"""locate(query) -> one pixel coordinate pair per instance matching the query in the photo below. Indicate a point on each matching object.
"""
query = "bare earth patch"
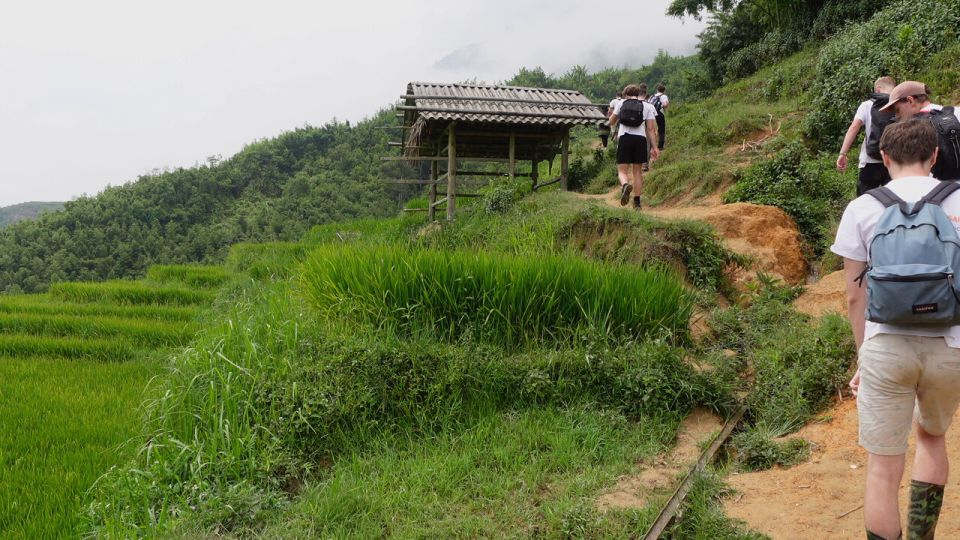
(662, 473)
(806, 501)
(829, 295)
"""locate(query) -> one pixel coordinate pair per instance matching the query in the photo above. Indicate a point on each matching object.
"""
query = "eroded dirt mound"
(810, 499)
(663, 473)
(829, 295)
(766, 234)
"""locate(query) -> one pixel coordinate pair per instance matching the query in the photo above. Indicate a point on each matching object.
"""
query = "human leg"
(870, 176)
(930, 470)
(890, 370)
(881, 514)
(662, 130)
(637, 184)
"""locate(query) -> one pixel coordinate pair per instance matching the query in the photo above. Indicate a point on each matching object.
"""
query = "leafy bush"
(807, 188)
(898, 41)
(502, 299)
(500, 198)
(772, 47)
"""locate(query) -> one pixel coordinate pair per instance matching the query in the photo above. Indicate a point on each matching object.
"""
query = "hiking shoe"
(646, 167)
(625, 191)
(636, 203)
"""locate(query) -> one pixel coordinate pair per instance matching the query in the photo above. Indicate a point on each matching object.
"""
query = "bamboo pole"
(434, 169)
(452, 172)
(565, 161)
(535, 171)
(513, 157)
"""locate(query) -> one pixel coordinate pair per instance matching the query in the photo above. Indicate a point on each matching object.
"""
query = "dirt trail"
(808, 500)
(661, 474)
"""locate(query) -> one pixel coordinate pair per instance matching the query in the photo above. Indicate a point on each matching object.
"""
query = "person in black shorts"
(636, 122)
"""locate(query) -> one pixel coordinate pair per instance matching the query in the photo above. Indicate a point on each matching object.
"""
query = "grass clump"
(129, 293)
(138, 332)
(191, 275)
(107, 350)
(757, 449)
(44, 305)
(504, 299)
(268, 261)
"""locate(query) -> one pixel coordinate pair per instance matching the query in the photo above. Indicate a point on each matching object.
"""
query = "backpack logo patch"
(920, 309)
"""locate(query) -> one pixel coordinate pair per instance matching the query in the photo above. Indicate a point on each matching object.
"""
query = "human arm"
(848, 141)
(856, 306)
(652, 135)
(664, 101)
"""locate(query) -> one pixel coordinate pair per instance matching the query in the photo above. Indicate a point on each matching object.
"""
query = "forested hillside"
(28, 210)
(272, 190)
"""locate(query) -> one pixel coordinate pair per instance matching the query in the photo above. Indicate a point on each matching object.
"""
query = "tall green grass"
(129, 292)
(112, 350)
(138, 332)
(497, 298)
(45, 305)
(191, 275)
(63, 423)
(274, 260)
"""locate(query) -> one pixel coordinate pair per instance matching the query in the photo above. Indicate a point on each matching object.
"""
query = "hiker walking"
(660, 102)
(869, 117)
(604, 126)
(906, 324)
(637, 124)
(911, 99)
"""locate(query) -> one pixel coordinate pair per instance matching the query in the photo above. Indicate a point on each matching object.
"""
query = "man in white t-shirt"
(911, 99)
(872, 172)
(900, 369)
(632, 145)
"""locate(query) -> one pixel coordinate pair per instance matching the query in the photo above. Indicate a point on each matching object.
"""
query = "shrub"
(772, 47)
(757, 449)
(500, 198)
(498, 298)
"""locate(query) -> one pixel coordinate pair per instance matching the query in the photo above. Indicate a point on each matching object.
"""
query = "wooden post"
(434, 172)
(535, 172)
(565, 160)
(452, 173)
(513, 157)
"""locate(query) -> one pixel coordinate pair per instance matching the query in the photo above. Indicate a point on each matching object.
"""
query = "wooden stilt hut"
(454, 127)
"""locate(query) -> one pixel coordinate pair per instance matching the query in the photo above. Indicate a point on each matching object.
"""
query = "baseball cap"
(903, 90)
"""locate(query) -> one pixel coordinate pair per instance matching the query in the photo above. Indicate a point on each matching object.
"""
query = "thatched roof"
(506, 105)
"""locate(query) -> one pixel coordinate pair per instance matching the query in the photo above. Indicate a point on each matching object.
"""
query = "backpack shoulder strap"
(938, 194)
(886, 197)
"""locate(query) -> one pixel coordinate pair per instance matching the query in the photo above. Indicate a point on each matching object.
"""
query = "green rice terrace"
(75, 364)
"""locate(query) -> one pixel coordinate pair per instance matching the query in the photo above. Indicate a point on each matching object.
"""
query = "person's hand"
(654, 153)
(855, 382)
(842, 162)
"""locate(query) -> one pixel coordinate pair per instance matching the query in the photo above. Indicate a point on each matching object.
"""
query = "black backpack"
(879, 120)
(657, 104)
(631, 113)
(947, 166)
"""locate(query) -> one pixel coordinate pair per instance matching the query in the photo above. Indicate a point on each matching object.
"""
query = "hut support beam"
(565, 160)
(535, 171)
(451, 172)
(513, 157)
(434, 169)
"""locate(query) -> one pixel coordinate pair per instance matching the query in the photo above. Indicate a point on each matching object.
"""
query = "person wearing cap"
(872, 173)
(911, 99)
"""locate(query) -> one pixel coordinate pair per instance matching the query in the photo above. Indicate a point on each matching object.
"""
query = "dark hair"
(620, 94)
(910, 141)
(631, 90)
(661, 88)
(643, 88)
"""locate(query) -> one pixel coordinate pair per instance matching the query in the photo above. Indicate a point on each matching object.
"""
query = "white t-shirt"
(649, 113)
(614, 103)
(664, 100)
(865, 114)
(856, 231)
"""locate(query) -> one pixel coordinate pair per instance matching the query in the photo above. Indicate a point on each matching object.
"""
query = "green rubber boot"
(925, 502)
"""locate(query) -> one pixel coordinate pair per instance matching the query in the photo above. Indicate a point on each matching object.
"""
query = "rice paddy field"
(74, 367)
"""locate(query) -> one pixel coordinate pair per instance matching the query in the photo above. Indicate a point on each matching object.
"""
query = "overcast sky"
(97, 92)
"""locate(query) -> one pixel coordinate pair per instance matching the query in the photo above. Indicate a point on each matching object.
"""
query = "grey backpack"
(914, 254)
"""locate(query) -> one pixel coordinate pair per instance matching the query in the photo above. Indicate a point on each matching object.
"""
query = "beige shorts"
(900, 376)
